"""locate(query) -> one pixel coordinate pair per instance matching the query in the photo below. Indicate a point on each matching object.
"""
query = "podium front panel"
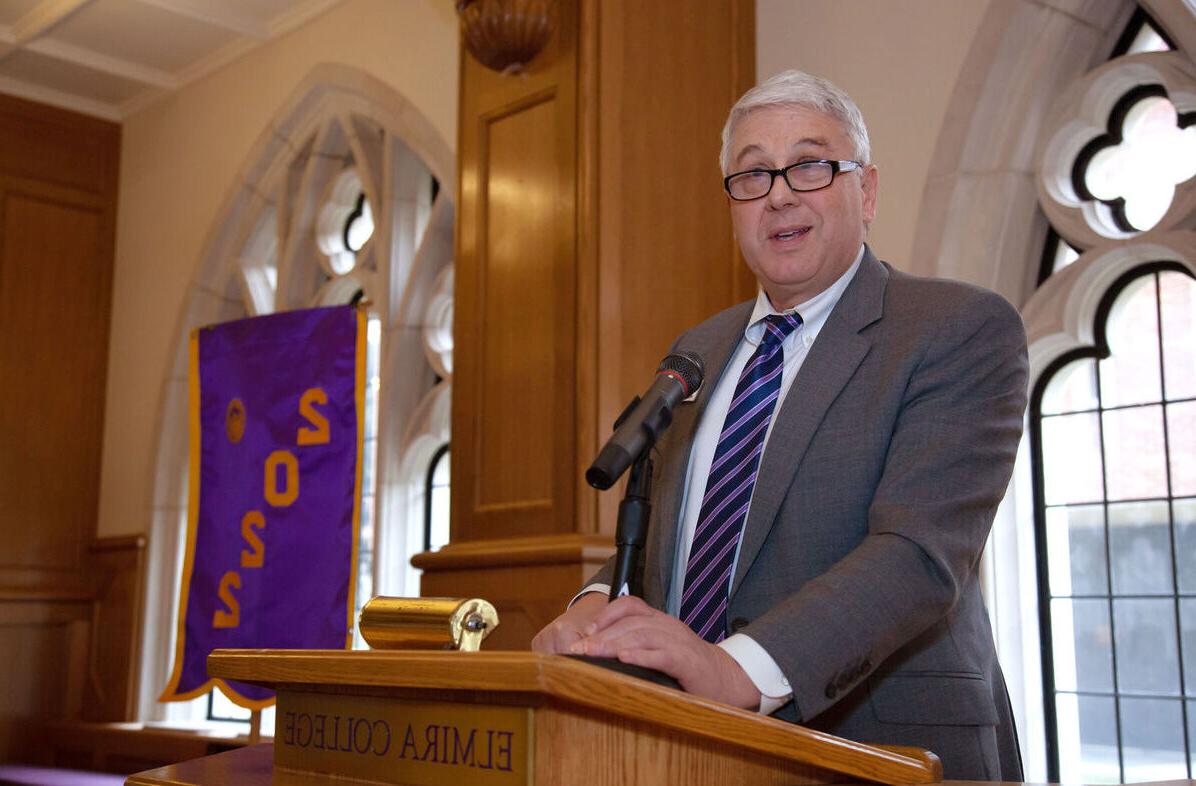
(403, 741)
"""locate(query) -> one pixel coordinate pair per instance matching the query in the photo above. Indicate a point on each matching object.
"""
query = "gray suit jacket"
(858, 565)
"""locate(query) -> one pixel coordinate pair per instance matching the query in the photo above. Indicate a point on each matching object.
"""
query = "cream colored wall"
(179, 159)
(900, 62)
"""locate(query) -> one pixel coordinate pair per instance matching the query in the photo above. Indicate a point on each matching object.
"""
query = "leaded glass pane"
(1147, 649)
(1087, 736)
(365, 551)
(1064, 255)
(1071, 389)
(371, 394)
(1140, 548)
(1135, 458)
(1130, 375)
(1152, 739)
(1177, 292)
(369, 462)
(438, 534)
(1076, 550)
(1072, 458)
(223, 708)
(1191, 736)
(1181, 446)
(1082, 640)
(1187, 624)
(1147, 40)
(369, 458)
(1184, 513)
(1154, 155)
(359, 226)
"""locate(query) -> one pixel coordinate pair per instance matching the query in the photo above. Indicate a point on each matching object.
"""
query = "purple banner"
(276, 437)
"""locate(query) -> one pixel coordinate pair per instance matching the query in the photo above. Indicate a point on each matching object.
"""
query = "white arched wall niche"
(980, 221)
(263, 254)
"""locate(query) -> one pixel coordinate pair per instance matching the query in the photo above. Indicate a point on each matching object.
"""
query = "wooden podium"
(418, 717)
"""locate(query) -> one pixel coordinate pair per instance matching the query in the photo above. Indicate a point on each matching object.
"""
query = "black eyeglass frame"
(783, 172)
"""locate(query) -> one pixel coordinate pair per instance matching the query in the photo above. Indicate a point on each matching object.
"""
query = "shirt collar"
(814, 312)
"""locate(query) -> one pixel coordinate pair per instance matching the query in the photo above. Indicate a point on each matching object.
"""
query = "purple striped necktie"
(730, 482)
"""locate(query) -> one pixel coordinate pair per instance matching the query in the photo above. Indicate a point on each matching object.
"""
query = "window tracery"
(340, 202)
(1112, 343)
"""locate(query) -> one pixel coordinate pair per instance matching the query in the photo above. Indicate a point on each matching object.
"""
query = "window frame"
(1100, 350)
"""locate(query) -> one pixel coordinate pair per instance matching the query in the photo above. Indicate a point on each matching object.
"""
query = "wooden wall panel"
(122, 748)
(58, 178)
(514, 348)
(57, 147)
(58, 175)
(43, 649)
(53, 301)
(70, 654)
(110, 687)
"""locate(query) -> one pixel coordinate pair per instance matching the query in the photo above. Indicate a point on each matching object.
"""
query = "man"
(823, 502)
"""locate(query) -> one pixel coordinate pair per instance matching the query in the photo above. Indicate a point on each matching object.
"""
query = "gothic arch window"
(340, 202)
(1112, 434)
(1000, 210)
(1113, 413)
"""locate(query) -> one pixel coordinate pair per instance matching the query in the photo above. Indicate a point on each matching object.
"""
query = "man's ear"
(869, 182)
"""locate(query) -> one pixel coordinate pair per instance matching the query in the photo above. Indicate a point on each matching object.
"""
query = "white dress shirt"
(752, 658)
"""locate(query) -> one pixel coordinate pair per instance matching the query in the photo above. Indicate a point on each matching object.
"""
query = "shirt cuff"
(761, 669)
(603, 588)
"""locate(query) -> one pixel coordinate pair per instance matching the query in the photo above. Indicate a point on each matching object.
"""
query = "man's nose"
(781, 195)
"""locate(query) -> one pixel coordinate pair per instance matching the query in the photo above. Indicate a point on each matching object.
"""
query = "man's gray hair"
(797, 88)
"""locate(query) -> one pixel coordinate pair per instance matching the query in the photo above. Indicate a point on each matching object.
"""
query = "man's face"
(799, 243)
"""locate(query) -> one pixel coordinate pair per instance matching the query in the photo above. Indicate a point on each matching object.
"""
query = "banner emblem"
(234, 421)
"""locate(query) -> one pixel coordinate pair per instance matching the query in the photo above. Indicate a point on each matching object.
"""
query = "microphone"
(645, 419)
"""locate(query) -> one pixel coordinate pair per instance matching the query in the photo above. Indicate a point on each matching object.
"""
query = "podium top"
(556, 679)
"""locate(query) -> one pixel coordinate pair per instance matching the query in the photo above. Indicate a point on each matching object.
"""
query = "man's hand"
(634, 632)
(559, 635)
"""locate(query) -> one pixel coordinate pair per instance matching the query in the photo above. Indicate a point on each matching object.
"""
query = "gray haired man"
(821, 507)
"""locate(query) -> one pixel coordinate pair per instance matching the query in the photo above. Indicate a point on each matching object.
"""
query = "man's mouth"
(790, 234)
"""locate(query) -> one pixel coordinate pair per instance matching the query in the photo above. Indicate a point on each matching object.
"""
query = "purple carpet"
(22, 775)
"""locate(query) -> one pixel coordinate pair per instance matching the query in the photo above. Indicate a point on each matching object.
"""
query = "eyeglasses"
(802, 176)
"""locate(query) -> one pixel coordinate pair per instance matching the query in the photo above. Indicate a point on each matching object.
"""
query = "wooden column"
(591, 231)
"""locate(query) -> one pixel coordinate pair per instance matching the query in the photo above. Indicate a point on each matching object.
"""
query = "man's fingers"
(622, 608)
(630, 632)
(555, 639)
(559, 635)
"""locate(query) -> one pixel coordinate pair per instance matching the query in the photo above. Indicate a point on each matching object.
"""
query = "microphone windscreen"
(687, 366)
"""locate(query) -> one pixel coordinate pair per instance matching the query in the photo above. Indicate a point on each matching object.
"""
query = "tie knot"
(778, 326)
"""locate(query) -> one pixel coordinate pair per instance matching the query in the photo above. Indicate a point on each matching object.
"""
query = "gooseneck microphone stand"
(632, 528)
(636, 431)
(630, 533)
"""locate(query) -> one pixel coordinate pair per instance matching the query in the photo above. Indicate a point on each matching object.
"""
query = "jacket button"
(831, 691)
(738, 624)
(865, 666)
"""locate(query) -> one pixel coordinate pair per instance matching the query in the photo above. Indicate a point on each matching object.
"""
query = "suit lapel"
(832, 361)
(714, 341)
